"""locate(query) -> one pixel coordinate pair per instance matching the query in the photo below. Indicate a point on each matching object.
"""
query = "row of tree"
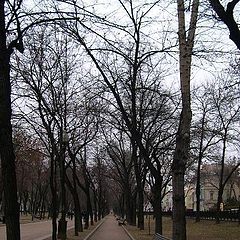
(89, 74)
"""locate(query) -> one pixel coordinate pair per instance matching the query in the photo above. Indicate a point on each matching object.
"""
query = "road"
(34, 231)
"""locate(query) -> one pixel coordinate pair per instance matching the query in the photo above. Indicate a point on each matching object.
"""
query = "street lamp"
(62, 224)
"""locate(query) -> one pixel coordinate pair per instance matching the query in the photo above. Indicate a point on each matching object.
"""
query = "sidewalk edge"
(131, 237)
(94, 230)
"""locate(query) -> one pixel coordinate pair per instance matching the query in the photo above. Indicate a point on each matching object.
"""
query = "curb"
(131, 237)
(94, 230)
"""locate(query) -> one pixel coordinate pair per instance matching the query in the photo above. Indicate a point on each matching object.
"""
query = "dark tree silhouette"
(226, 15)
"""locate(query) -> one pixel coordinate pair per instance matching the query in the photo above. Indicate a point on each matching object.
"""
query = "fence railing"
(229, 215)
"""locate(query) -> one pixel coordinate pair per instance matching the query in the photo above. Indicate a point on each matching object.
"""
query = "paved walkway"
(34, 231)
(109, 230)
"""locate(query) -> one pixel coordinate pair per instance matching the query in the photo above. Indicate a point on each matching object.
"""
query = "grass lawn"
(204, 230)
(26, 219)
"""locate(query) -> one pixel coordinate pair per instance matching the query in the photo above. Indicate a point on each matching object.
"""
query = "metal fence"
(230, 215)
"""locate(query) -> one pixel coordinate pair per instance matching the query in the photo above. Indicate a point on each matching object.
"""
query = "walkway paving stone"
(109, 230)
(34, 231)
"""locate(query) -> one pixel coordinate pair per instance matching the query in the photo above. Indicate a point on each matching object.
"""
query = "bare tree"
(53, 106)
(227, 16)
(122, 165)
(32, 174)
(205, 132)
(181, 155)
(127, 82)
(6, 142)
(224, 99)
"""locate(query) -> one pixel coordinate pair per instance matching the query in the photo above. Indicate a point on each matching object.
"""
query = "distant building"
(209, 190)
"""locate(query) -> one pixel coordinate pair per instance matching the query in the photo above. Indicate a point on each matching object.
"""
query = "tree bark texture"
(157, 205)
(6, 143)
(181, 154)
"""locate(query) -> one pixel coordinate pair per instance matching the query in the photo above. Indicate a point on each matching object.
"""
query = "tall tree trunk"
(139, 180)
(78, 227)
(6, 143)
(122, 206)
(53, 185)
(77, 216)
(128, 204)
(140, 209)
(221, 185)
(95, 206)
(78, 210)
(198, 184)
(157, 204)
(133, 209)
(100, 204)
(181, 154)
(89, 209)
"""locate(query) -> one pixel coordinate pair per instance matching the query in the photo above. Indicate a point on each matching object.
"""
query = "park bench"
(37, 216)
(121, 221)
(158, 236)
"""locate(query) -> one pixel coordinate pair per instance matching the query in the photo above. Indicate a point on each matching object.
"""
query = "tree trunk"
(198, 191)
(128, 205)
(139, 181)
(78, 227)
(181, 154)
(140, 209)
(219, 201)
(122, 205)
(54, 198)
(6, 143)
(77, 211)
(178, 170)
(198, 184)
(95, 206)
(157, 204)
(89, 209)
(221, 185)
(78, 215)
(133, 210)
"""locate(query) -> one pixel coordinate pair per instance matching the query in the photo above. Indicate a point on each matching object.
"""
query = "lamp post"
(62, 224)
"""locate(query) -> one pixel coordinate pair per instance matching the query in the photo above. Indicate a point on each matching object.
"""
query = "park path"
(109, 230)
(34, 231)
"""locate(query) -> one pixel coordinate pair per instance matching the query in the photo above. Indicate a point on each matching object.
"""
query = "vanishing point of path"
(109, 230)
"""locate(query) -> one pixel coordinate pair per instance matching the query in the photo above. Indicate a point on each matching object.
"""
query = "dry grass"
(28, 219)
(204, 230)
